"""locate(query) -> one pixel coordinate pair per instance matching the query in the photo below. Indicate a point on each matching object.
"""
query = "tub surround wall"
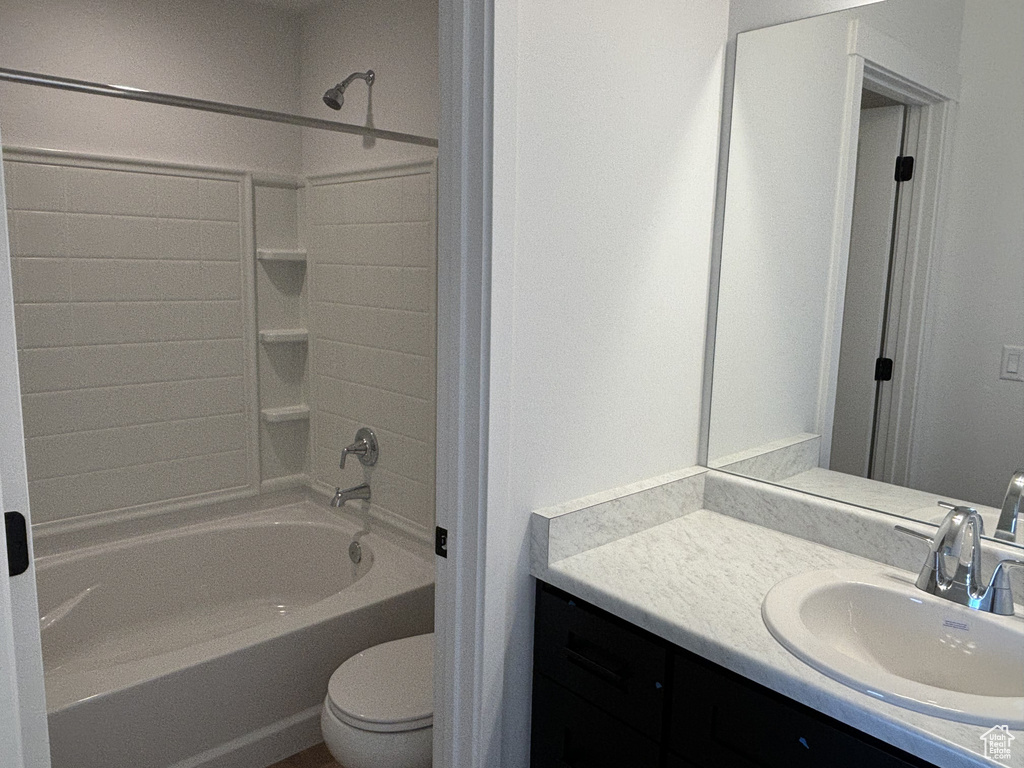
(739, 531)
(130, 313)
(372, 267)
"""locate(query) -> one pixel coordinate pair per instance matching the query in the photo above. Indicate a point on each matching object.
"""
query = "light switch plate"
(1012, 368)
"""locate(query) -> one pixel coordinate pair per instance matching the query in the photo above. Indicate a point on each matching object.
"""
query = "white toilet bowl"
(379, 710)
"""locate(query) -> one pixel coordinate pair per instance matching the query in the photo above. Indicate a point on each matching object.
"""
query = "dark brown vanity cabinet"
(607, 694)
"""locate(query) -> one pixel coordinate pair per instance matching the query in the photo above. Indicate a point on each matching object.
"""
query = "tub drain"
(355, 552)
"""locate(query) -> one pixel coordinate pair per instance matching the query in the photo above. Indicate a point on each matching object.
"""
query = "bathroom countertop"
(698, 581)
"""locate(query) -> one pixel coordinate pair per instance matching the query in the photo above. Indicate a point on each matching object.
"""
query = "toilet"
(379, 710)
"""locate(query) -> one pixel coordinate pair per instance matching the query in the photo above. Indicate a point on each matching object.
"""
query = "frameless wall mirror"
(871, 307)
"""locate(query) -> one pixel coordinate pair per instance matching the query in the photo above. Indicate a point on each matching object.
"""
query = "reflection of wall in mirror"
(772, 332)
(970, 424)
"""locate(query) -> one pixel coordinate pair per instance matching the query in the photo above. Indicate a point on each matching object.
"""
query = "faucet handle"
(1001, 596)
(916, 534)
(365, 447)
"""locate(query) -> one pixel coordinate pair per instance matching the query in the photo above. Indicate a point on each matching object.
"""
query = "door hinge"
(17, 543)
(883, 369)
(441, 541)
(904, 168)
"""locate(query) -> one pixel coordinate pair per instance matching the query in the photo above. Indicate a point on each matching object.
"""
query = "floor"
(314, 757)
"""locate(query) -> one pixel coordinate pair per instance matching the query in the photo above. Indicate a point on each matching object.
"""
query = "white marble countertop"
(698, 581)
(893, 499)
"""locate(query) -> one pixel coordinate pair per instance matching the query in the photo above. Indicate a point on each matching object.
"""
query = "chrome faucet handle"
(365, 447)
(1006, 528)
(1001, 596)
(916, 534)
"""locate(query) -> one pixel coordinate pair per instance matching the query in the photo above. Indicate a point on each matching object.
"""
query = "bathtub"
(212, 644)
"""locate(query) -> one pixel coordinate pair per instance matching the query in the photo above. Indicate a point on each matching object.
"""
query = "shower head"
(335, 97)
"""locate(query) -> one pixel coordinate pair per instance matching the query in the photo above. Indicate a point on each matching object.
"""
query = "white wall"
(398, 40)
(969, 435)
(789, 119)
(605, 148)
(228, 51)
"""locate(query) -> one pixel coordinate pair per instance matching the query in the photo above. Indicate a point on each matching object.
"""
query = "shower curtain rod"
(154, 97)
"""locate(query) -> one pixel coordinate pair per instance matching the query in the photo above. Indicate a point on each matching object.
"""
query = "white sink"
(876, 632)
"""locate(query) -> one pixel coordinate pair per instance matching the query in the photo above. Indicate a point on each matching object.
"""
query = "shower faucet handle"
(365, 447)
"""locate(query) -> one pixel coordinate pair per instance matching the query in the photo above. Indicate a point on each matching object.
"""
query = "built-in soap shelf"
(289, 255)
(285, 336)
(285, 413)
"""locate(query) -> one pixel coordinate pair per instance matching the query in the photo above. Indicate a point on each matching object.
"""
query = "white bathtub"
(212, 644)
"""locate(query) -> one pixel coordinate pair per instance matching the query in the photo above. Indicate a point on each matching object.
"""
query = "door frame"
(885, 66)
(22, 694)
(463, 361)
(917, 240)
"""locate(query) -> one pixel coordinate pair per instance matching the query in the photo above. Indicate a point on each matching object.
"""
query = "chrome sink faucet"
(948, 552)
(1006, 528)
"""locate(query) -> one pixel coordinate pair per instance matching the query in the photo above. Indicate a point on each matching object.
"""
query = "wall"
(605, 147)
(789, 101)
(398, 40)
(228, 51)
(968, 438)
(129, 312)
(372, 286)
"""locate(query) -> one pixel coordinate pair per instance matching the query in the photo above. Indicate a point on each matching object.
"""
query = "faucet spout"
(355, 493)
(947, 572)
(1006, 528)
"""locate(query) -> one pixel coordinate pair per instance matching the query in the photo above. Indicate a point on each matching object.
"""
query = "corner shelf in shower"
(292, 256)
(285, 336)
(285, 413)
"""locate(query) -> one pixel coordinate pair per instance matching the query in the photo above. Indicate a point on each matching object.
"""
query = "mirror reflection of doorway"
(871, 307)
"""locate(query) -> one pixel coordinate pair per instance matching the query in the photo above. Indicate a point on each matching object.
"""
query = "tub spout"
(355, 493)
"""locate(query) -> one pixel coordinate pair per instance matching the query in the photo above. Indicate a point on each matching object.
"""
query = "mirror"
(833, 272)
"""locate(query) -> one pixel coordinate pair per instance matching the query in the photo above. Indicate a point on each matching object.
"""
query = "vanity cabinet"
(607, 694)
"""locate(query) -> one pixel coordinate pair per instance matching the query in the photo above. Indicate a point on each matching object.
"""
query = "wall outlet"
(1012, 368)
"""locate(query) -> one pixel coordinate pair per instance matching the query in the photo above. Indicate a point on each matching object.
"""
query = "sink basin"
(876, 632)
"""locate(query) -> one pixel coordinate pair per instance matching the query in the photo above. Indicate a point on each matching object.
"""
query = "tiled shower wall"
(372, 263)
(130, 316)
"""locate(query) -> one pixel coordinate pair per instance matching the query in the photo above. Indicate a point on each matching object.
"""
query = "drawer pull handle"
(594, 668)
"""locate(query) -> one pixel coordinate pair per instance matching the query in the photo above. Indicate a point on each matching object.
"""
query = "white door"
(24, 742)
(867, 281)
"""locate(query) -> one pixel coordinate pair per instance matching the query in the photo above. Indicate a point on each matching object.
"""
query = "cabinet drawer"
(614, 666)
(569, 732)
(720, 720)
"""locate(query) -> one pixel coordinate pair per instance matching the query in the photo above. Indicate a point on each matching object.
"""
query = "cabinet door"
(569, 732)
(720, 720)
(615, 666)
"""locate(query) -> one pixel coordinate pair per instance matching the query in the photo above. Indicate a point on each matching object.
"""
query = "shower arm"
(154, 97)
(368, 76)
